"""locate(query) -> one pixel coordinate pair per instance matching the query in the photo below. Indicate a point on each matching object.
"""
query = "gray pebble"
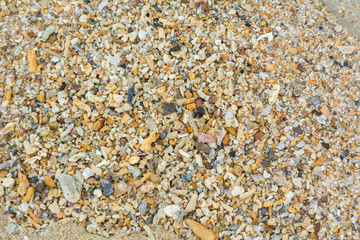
(316, 101)
(142, 208)
(107, 188)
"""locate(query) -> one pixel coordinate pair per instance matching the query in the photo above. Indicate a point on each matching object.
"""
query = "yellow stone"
(49, 182)
(292, 210)
(29, 194)
(267, 204)
(125, 118)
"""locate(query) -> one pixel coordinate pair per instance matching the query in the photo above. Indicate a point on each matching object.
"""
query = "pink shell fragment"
(206, 138)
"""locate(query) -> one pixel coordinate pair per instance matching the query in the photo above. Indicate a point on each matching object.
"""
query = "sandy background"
(345, 12)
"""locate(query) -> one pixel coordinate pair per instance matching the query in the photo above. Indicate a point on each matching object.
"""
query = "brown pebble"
(49, 182)
(202, 232)
(29, 195)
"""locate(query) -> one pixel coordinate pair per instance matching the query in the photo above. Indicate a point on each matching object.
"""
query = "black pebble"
(326, 145)
(175, 49)
(346, 64)
(130, 94)
(199, 112)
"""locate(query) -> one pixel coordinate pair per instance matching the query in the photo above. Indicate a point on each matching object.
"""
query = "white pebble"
(218, 42)
(171, 210)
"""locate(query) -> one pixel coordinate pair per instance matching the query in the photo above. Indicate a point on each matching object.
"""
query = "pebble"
(70, 187)
(200, 231)
(316, 101)
(92, 227)
(107, 188)
(192, 203)
(7, 182)
(167, 108)
(48, 31)
(142, 208)
(171, 210)
(10, 228)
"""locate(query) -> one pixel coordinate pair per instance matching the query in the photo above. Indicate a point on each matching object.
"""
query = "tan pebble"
(150, 62)
(293, 51)
(247, 194)
(52, 193)
(274, 93)
(202, 232)
(146, 144)
(100, 219)
(267, 204)
(41, 96)
(110, 121)
(324, 110)
(188, 100)
(49, 182)
(149, 232)
(237, 170)
(292, 210)
(8, 95)
(104, 129)
(150, 200)
(161, 90)
(125, 118)
(54, 208)
(192, 203)
(31, 57)
(271, 222)
(8, 128)
(29, 195)
(82, 105)
(191, 106)
(177, 225)
(23, 184)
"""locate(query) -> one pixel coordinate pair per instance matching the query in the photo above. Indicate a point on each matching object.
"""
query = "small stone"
(107, 188)
(317, 170)
(29, 195)
(54, 208)
(48, 31)
(7, 182)
(206, 138)
(97, 193)
(202, 232)
(274, 93)
(142, 35)
(297, 182)
(192, 203)
(120, 189)
(92, 227)
(237, 190)
(7, 129)
(87, 173)
(40, 187)
(167, 108)
(271, 222)
(171, 210)
(10, 228)
(142, 208)
(199, 112)
(49, 182)
(316, 100)
(70, 187)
